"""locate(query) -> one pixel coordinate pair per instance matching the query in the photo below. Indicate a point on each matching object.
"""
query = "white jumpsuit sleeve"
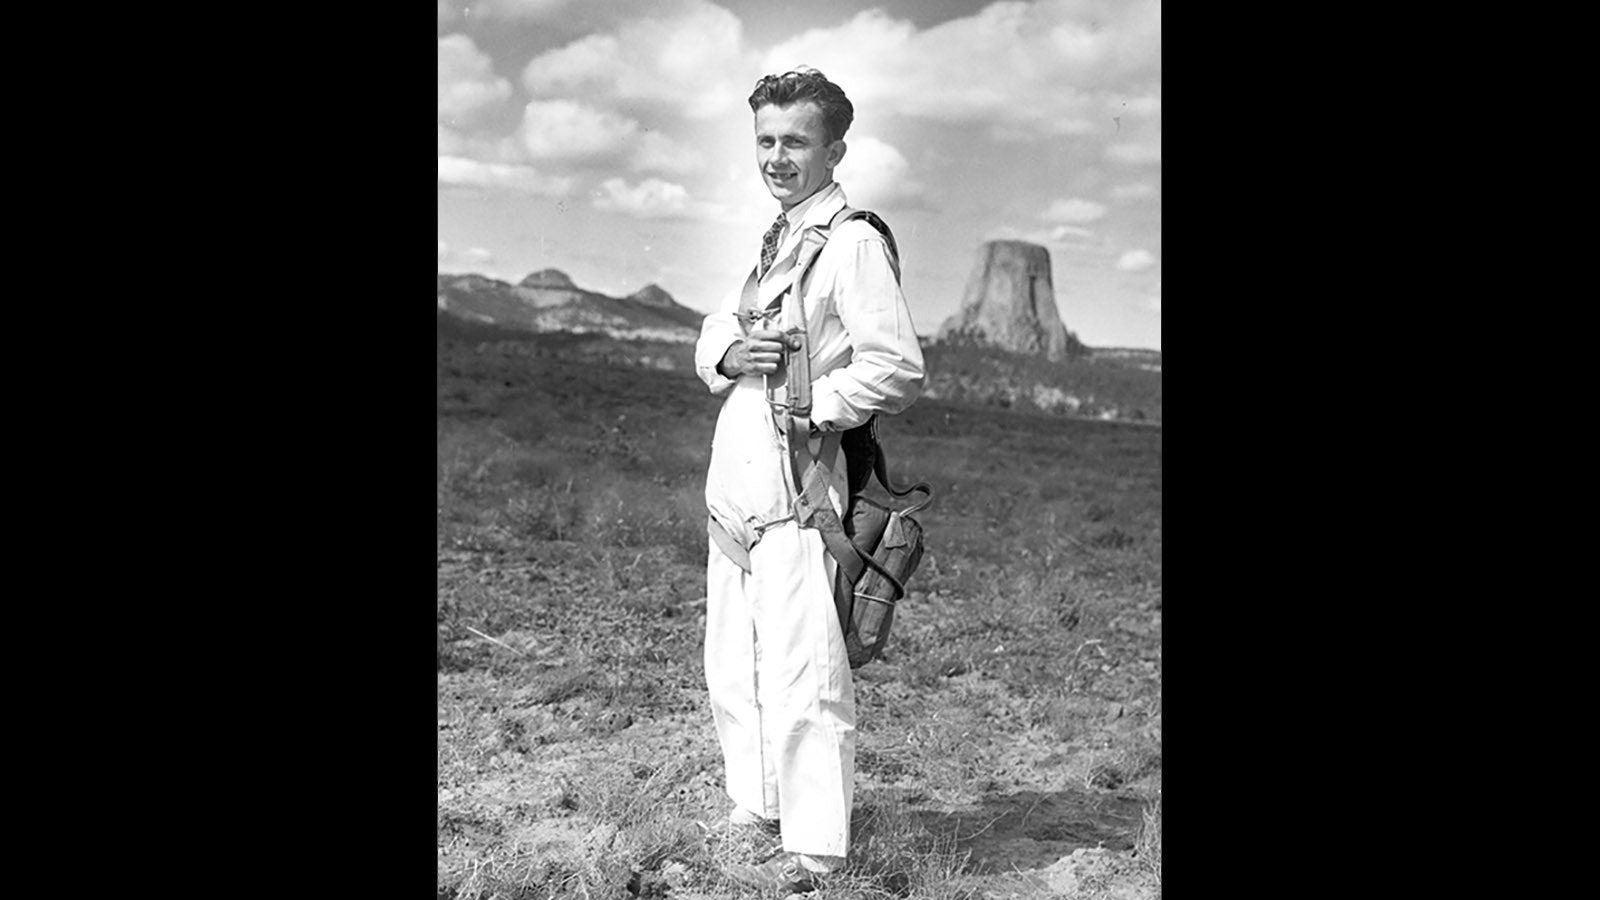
(718, 332)
(885, 372)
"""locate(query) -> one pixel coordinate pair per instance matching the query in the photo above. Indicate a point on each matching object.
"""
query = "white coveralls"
(779, 679)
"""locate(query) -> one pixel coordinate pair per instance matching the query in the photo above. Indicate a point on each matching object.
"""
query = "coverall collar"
(817, 209)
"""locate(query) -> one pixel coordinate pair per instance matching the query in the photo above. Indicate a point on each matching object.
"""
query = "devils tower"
(1010, 303)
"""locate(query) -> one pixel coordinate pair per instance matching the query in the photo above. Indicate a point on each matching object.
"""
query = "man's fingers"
(762, 351)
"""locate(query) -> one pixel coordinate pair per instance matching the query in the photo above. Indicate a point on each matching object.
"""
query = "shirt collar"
(817, 209)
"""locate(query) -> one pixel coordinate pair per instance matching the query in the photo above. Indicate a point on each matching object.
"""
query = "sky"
(613, 140)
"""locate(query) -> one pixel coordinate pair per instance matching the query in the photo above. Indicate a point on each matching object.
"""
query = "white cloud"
(484, 149)
(650, 199)
(1135, 261)
(657, 152)
(476, 257)
(468, 87)
(1135, 191)
(876, 174)
(1076, 211)
(1060, 233)
(566, 130)
(1059, 237)
(590, 58)
(685, 57)
(526, 10)
(563, 129)
(1021, 68)
(1135, 154)
(462, 172)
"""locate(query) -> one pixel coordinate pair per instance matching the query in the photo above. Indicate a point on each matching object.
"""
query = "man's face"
(793, 151)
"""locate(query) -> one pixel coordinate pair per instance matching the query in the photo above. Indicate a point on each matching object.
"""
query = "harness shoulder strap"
(876, 221)
(811, 244)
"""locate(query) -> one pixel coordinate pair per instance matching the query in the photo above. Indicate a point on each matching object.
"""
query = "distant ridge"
(1138, 357)
(548, 300)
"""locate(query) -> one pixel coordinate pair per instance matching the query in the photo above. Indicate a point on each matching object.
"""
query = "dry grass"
(893, 855)
(576, 753)
(1148, 848)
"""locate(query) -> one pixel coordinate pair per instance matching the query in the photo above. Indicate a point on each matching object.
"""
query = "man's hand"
(758, 354)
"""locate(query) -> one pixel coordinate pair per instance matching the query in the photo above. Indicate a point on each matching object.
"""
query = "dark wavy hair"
(803, 84)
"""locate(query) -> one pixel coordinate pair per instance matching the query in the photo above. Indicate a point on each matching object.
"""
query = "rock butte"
(1010, 303)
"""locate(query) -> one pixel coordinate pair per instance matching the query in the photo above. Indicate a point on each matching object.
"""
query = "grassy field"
(1010, 746)
(1091, 387)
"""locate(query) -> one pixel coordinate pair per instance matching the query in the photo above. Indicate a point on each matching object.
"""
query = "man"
(776, 667)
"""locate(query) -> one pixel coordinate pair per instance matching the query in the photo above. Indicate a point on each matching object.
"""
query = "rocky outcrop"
(653, 295)
(1010, 303)
(549, 287)
(547, 278)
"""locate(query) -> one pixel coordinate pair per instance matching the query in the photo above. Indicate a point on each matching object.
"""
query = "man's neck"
(789, 210)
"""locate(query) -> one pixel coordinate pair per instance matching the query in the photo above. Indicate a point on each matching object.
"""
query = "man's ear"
(836, 153)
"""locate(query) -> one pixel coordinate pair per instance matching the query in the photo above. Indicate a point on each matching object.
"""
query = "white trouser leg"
(781, 691)
(730, 659)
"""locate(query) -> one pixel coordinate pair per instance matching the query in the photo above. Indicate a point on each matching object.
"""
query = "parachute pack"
(888, 541)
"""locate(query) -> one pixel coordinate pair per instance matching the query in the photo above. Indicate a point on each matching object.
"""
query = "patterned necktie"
(769, 244)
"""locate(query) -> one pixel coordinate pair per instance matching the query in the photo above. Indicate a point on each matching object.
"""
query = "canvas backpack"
(889, 542)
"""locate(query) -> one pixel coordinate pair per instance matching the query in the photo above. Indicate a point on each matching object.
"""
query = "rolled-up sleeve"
(885, 371)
